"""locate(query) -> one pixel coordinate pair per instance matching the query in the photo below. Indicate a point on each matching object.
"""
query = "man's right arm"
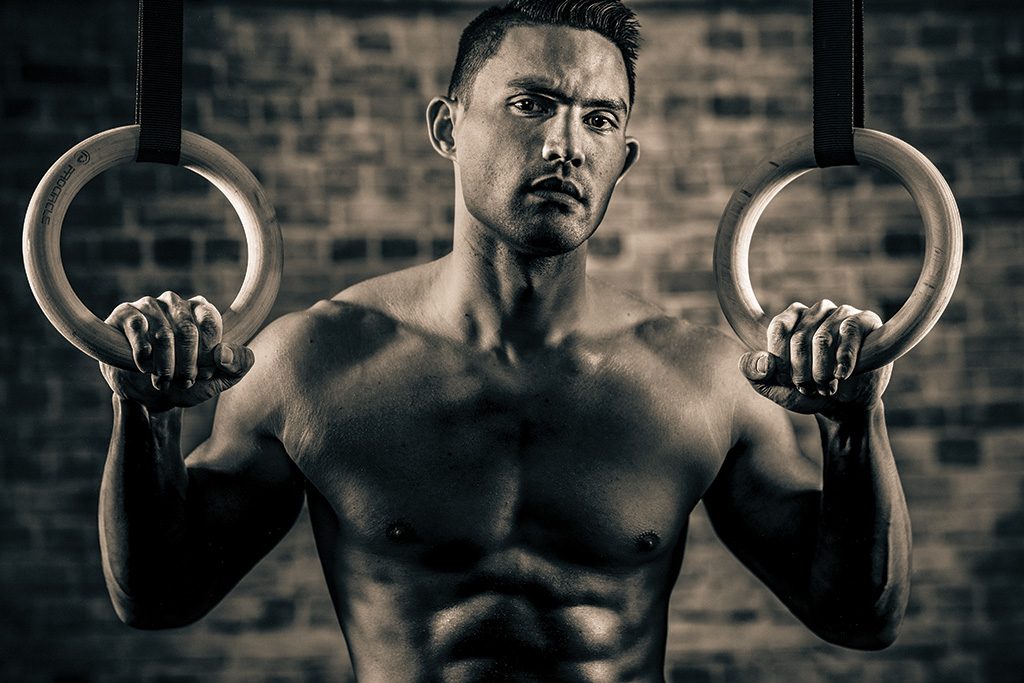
(178, 533)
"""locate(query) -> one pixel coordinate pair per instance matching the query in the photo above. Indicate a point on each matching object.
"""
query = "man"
(500, 454)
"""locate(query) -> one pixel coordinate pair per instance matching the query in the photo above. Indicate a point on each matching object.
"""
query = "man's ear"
(441, 126)
(632, 154)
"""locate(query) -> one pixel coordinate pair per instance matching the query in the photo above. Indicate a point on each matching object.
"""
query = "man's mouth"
(556, 186)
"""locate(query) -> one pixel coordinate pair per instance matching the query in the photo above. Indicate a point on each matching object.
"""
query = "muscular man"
(500, 454)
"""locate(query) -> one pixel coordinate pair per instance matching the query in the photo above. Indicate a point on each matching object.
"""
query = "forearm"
(144, 516)
(860, 573)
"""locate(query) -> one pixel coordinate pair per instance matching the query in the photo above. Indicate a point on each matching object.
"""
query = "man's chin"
(552, 238)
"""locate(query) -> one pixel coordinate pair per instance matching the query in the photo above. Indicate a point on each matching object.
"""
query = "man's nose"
(562, 141)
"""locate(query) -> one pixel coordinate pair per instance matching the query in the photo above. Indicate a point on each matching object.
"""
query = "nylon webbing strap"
(838, 76)
(158, 81)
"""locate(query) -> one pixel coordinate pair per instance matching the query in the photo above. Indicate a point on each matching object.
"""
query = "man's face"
(541, 144)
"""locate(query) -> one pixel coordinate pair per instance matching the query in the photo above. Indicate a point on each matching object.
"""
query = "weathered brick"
(685, 281)
(277, 614)
(440, 246)
(336, 107)
(117, 251)
(732, 105)
(349, 249)
(172, 251)
(374, 41)
(398, 248)
(903, 245)
(605, 246)
(959, 452)
(217, 250)
(942, 36)
(775, 38)
(690, 674)
(65, 73)
(725, 38)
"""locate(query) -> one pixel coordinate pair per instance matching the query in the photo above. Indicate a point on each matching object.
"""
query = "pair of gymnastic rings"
(89, 158)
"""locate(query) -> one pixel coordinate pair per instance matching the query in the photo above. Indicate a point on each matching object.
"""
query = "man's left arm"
(833, 544)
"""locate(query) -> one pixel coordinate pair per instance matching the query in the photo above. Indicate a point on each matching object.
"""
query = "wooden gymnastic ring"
(89, 158)
(942, 233)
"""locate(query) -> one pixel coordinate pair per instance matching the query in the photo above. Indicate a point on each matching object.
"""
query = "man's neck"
(500, 299)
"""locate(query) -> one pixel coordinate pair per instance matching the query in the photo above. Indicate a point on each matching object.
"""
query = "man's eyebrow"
(543, 87)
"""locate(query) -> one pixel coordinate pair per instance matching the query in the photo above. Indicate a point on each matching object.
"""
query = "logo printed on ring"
(83, 157)
(55, 191)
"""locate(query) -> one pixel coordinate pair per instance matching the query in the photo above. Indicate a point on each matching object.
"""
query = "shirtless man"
(500, 454)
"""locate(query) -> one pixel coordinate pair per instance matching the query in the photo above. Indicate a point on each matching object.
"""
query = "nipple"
(647, 541)
(400, 532)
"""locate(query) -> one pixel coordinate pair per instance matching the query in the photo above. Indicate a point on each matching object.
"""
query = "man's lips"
(556, 185)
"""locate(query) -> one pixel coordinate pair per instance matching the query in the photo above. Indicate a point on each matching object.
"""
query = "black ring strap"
(158, 81)
(838, 79)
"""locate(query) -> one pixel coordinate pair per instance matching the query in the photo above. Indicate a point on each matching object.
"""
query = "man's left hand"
(811, 355)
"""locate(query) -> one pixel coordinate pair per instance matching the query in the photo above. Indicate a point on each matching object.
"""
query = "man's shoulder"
(397, 295)
(704, 356)
(346, 328)
(685, 340)
(662, 333)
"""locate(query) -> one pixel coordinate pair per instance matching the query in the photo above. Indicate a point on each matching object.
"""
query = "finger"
(780, 329)
(801, 350)
(233, 360)
(186, 338)
(823, 346)
(851, 337)
(210, 324)
(132, 322)
(757, 366)
(161, 338)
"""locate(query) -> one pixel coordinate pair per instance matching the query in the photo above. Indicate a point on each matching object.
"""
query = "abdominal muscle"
(495, 636)
(516, 616)
(507, 637)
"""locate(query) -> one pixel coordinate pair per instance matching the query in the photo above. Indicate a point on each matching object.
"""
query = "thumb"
(233, 360)
(757, 366)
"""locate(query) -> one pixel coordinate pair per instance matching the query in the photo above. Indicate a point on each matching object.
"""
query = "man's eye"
(527, 105)
(600, 122)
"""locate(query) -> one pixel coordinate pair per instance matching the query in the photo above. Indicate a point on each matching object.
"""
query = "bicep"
(764, 502)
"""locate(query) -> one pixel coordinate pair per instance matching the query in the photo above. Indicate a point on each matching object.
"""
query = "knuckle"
(780, 327)
(872, 318)
(188, 333)
(849, 326)
(208, 327)
(163, 336)
(823, 305)
(136, 323)
(847, 310)
(206, 312)
(823, 339)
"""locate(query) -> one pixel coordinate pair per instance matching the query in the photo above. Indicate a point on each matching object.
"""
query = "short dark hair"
(482, 37)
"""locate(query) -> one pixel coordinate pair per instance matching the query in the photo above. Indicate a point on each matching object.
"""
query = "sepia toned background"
(324, 100)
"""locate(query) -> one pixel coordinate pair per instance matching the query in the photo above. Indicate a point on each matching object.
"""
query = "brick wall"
(323, 101)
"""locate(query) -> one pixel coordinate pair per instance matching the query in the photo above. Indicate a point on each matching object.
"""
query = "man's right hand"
(176, 345)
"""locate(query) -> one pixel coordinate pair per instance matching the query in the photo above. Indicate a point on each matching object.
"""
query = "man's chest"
(589, 464)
